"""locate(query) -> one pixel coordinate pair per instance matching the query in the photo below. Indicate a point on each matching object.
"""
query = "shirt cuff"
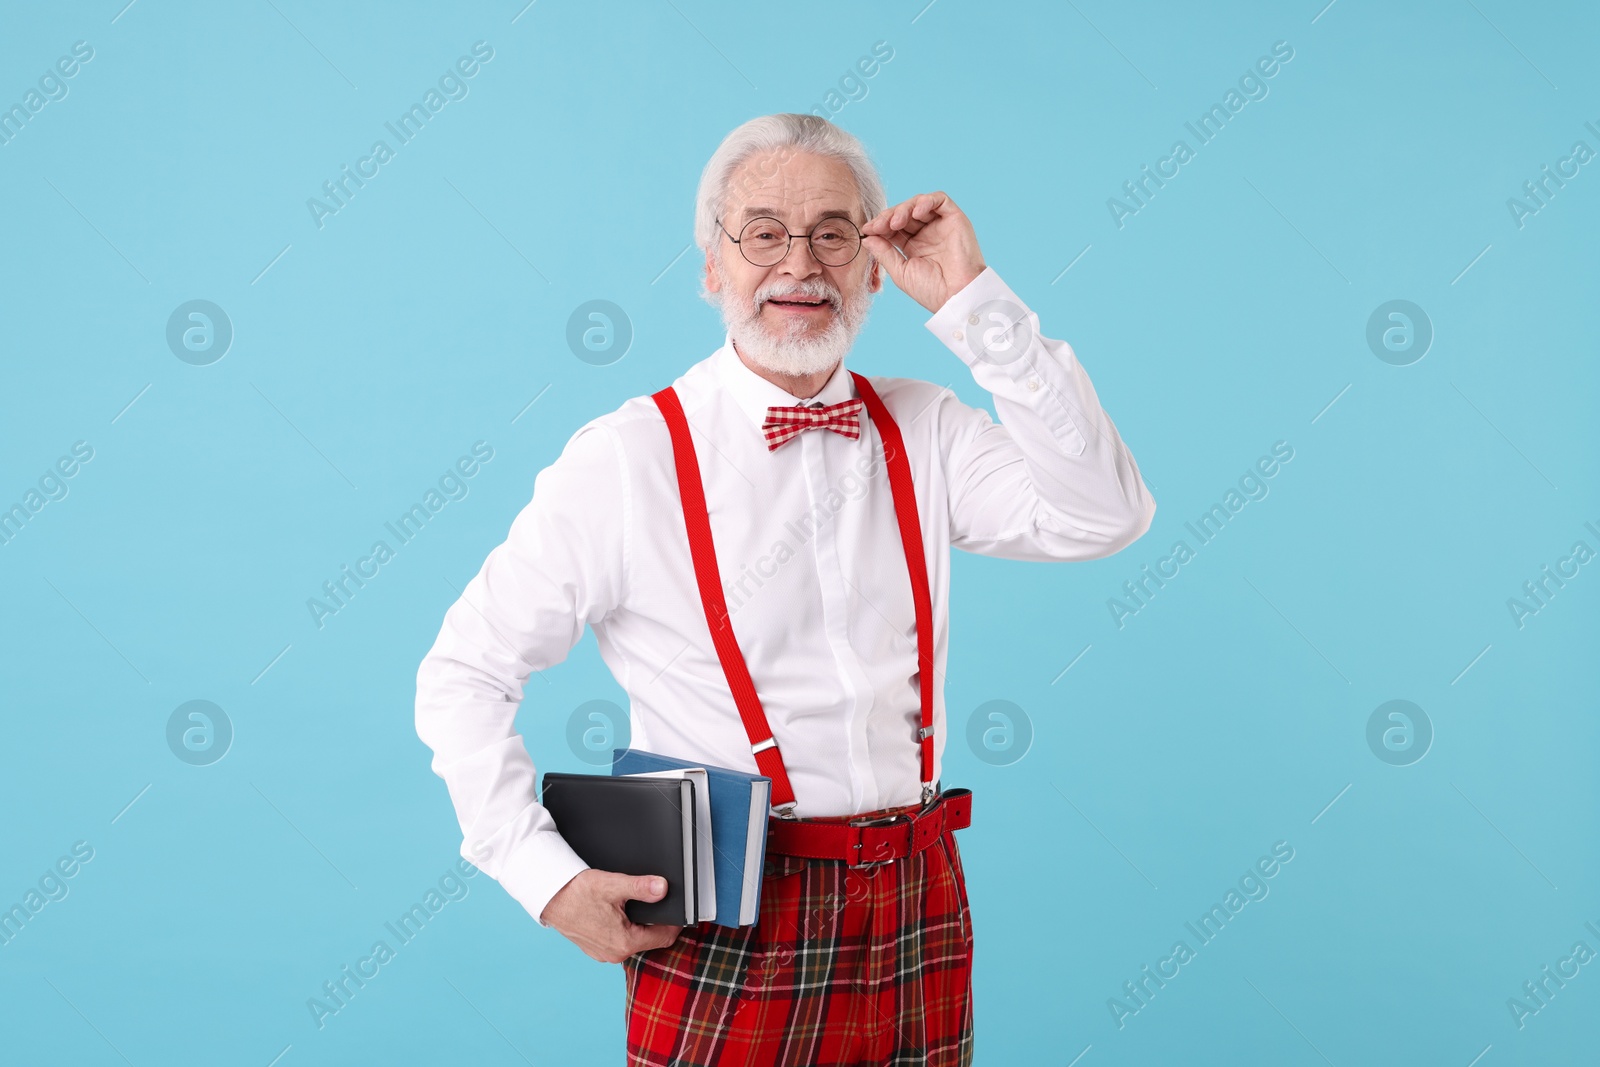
(986, 323)
(539, 870)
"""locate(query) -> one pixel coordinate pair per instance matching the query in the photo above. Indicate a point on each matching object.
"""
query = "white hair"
(785, 134)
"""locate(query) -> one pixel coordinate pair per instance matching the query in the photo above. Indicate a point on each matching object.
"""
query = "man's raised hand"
(940, 249)
(588, 912)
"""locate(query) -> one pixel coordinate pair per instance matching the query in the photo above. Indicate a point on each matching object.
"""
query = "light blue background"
(1223, 317)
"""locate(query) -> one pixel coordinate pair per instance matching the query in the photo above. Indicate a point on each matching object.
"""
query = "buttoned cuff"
(538, 870)
(986, 323)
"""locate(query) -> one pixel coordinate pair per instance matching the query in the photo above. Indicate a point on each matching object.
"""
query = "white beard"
(798, 354)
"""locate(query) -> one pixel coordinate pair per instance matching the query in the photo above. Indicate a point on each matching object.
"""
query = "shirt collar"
(754, 394)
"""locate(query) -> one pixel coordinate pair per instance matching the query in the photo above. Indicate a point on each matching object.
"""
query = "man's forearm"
(1077, 465)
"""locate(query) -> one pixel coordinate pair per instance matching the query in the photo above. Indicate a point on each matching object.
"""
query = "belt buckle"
(880, 820)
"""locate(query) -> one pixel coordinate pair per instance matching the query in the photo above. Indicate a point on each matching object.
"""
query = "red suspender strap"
(905, 509)
(693, 496)
(702, 551)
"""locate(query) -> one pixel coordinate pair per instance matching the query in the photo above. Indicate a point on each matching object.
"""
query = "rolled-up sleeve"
(1052, 480)
(561, 567)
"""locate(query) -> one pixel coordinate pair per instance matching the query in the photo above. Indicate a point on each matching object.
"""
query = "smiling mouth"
(801, 303)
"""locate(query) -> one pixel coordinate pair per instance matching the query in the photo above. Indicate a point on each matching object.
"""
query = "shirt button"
(956, 334)
(1033, 384)
(972, 320)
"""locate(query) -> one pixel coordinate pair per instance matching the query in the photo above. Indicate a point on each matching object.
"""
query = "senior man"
(762, 550)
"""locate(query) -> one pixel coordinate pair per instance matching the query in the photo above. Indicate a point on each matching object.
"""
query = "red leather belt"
(864, 842)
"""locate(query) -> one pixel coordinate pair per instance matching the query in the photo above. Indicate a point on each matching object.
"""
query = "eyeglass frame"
(860, 243)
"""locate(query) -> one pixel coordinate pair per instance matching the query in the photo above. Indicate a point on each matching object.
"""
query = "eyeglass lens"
(834, 242)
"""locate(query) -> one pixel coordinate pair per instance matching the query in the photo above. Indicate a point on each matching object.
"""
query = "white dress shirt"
(812, 567)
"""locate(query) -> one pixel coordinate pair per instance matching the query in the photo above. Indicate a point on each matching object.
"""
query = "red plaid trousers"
(844, 966)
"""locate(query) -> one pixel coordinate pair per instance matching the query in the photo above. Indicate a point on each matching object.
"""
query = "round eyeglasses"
(764, 242)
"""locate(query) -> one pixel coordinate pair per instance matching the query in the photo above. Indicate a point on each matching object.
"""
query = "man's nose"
(798, 262)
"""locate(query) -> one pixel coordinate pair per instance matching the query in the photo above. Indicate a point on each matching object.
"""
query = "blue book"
(739, 806)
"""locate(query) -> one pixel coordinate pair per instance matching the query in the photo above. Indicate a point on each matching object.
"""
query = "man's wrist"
(544, 913)
(961, 286)
(967, 322)
(539, 869)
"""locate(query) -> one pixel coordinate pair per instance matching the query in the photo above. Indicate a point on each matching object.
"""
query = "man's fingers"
(647, 887)
(660, 936)
(911, 215)
(887, 255)
(910, 209)
(932, 205)
(916, 212)
(620, 888)
(632, 938)
(890, 218)
(884, 251)
(596, 919)
(918, 208)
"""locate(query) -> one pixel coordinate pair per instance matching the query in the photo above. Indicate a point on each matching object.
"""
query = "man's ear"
(874, 277)
(713, 280)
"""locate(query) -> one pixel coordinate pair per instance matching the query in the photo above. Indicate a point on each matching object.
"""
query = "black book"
(631, 826)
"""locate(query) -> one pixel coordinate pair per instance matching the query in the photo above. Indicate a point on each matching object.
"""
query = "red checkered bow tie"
(786, 422)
